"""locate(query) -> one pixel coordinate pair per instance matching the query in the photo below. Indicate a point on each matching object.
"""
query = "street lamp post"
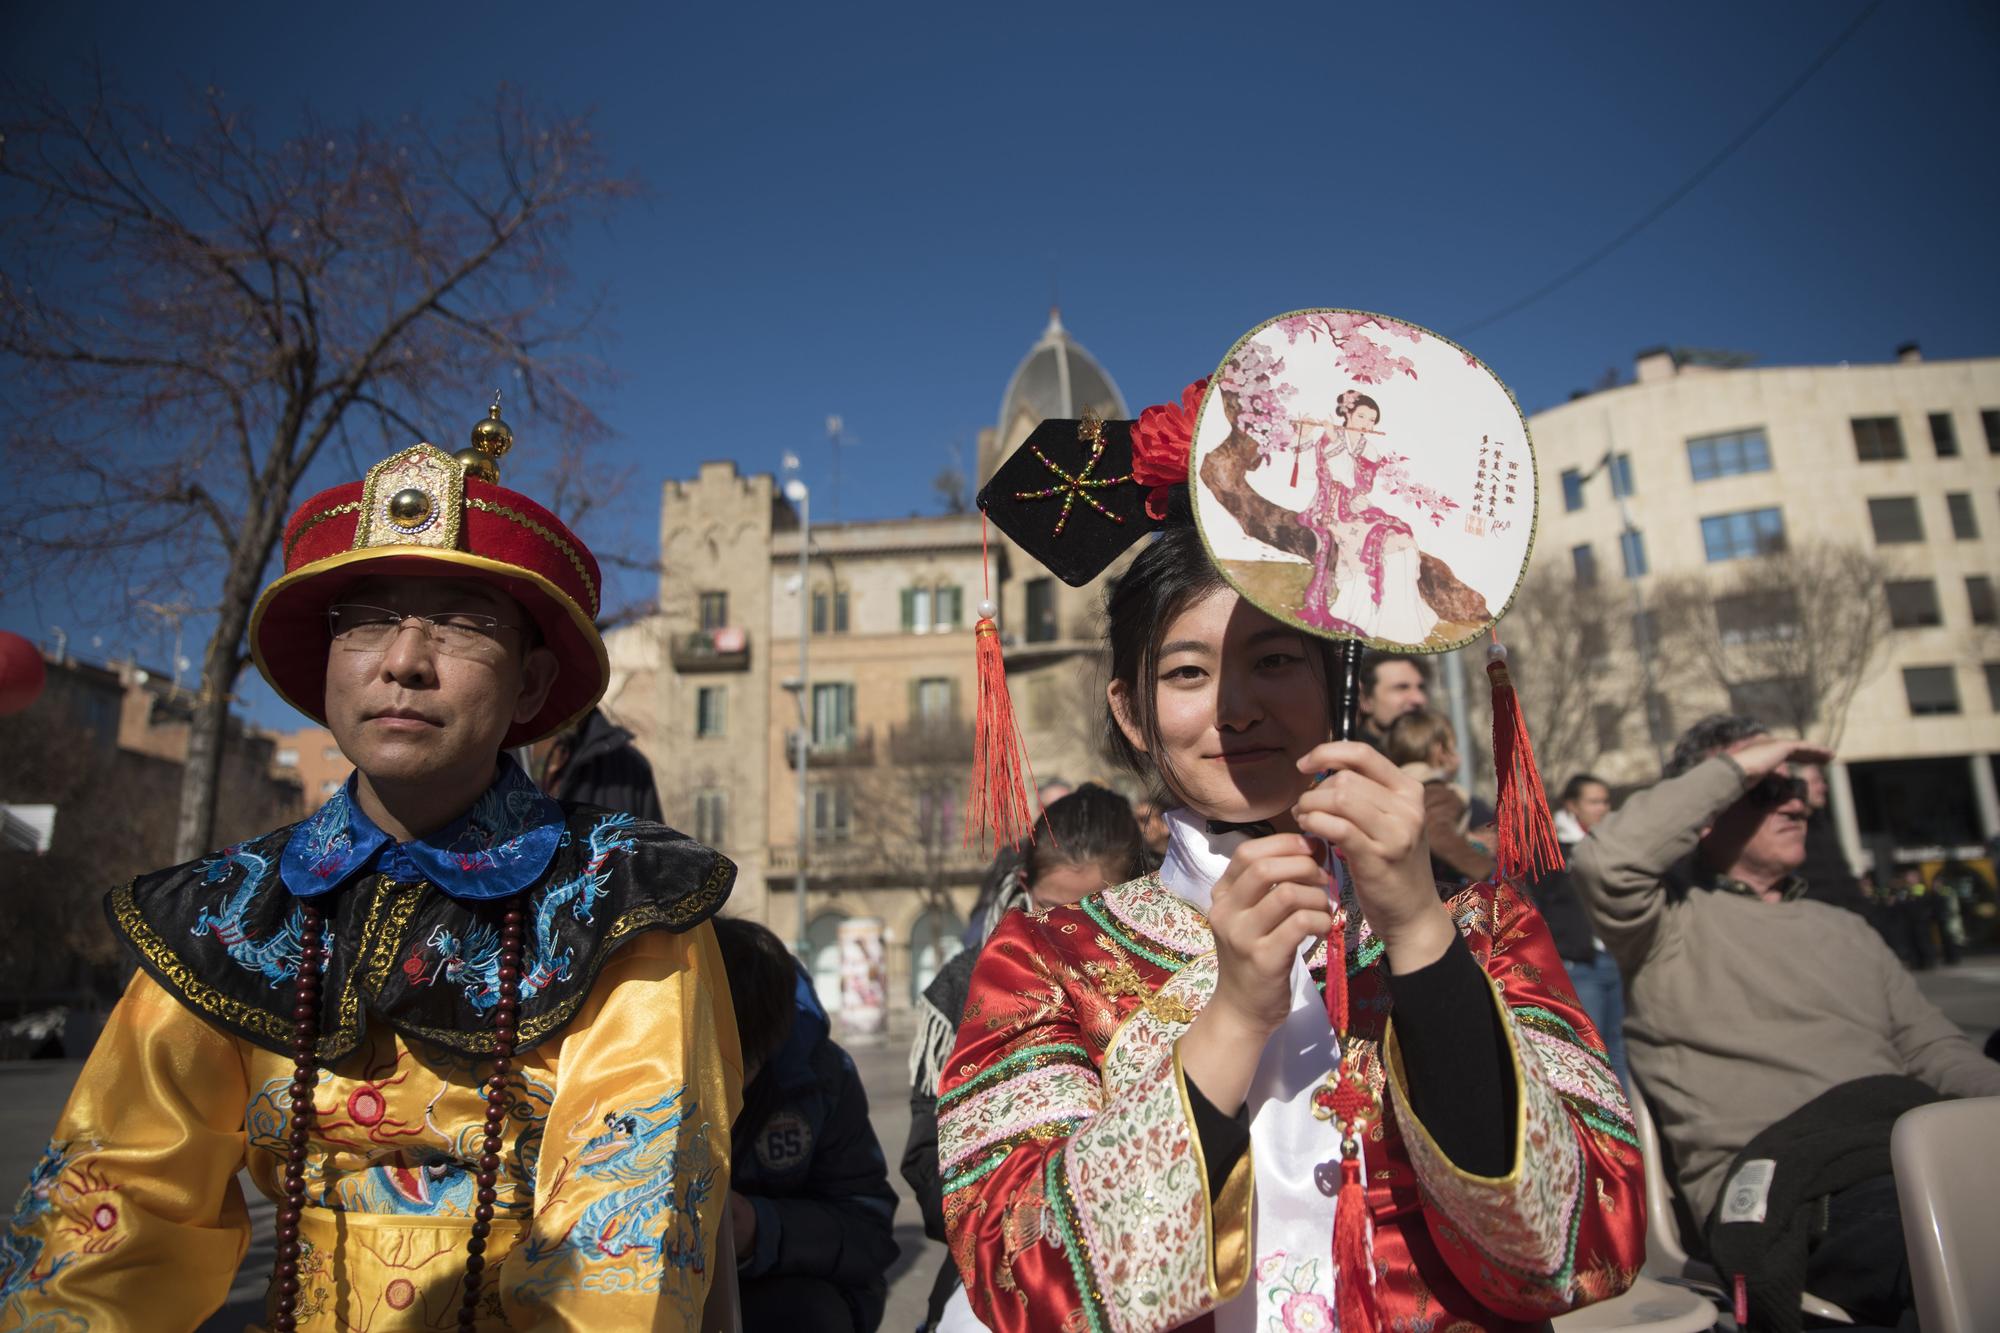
(795, 491)
(1642, 634)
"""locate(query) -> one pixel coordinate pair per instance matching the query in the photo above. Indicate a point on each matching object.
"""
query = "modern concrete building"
(711, 688)
(1714, 462)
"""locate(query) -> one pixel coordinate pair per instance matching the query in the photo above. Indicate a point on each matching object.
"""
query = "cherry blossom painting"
(1362, 477)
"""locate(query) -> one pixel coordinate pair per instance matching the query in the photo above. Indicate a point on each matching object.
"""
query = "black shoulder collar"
(222, 936)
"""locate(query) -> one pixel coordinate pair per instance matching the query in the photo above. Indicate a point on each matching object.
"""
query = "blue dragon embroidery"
(471, 960)
(654, 1179)
(275, 958)
(492, 832)
(22, 1244)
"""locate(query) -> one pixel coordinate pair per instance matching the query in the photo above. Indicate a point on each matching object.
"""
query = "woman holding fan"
(1161, 1108)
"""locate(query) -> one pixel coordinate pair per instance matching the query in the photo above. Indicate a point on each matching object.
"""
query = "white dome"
(1059, 379)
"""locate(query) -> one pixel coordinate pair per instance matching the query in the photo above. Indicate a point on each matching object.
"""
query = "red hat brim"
(289, 637)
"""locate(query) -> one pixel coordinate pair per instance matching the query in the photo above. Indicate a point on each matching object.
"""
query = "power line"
(1685, 188)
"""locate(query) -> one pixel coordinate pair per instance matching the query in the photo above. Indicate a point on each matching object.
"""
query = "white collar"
(1195, 857)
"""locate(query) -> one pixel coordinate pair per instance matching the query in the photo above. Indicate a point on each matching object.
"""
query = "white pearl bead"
(987, 609)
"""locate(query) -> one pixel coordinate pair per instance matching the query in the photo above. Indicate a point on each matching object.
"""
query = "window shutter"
(909, 609)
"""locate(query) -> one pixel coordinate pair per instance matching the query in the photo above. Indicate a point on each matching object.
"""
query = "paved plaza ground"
(32, 1093)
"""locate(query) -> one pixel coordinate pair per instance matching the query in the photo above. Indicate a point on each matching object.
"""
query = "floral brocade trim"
(1555, 1025)
(1525, 1223)
(1172, 959)
(1025, 1059)
(351, 507)
(546, 534)
(1062, 1207)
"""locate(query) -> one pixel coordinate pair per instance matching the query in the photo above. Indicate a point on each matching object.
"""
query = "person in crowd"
(1392, 684)
(1152, 826)
(1755, 1013)
(474, 1043)
(1006, 862)
(1585, 800)
(811, 1210)
(596, 763)
(1423, 745)
(1083, 843)
(1128, 1064)
(1918, 909)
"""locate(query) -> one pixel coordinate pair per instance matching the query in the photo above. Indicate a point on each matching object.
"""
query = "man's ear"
(1119, 696)
(538, 677)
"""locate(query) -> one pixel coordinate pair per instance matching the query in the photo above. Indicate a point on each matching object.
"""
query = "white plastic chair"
(1948, 1183)
(1666, 1252)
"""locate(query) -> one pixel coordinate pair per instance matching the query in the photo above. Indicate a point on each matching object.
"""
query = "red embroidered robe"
(1076, 1198)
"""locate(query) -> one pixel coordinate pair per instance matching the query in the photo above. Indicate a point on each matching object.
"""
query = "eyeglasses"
(371, 629)
(1776, 789)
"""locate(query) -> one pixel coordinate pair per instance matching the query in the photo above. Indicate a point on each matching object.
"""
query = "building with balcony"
(883, 718)
(1702, 464)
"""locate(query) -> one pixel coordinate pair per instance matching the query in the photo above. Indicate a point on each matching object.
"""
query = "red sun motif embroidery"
(401, 1293)
(367, 1110)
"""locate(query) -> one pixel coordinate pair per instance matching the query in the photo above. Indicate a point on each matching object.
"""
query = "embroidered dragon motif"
(651, 1179)
(579, 895)
(275, 958)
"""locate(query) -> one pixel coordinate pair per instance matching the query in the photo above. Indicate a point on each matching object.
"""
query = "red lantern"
(22, 674)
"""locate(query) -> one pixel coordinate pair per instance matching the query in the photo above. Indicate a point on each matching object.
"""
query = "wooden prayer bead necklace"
(305, 1077)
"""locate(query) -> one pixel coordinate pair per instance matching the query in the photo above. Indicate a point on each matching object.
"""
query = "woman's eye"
(1183, 673)
(1273, 661)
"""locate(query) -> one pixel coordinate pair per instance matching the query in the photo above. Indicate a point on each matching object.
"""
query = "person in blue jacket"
(809, 1202)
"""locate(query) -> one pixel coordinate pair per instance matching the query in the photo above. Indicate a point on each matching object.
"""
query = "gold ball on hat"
(491, 439)
(409, 508)
(478, 465)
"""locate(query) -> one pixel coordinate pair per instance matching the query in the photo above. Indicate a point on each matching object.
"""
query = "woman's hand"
(1269, 902)
(1374, 813)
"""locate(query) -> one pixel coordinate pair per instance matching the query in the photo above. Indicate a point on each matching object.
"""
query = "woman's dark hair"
(1347, 405)
(1092, 825)
(1172, 573)
(763, 981)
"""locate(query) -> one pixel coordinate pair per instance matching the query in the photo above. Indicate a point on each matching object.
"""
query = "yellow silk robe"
(612, 1187)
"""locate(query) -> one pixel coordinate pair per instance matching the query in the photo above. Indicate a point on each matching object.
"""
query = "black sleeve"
(1223, 1137)
(1456, 1060)
(920, 1163)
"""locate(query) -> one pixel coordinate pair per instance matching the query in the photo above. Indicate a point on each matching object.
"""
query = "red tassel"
(1354, 1266)
(1527, 830)
(999, 804)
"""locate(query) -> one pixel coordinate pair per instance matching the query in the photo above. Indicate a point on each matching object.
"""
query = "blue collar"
(499, 847)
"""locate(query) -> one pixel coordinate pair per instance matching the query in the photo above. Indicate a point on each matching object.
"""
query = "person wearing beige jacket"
(1744, 1000)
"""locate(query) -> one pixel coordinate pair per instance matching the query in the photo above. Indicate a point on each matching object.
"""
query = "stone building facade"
(712, 689)
(1719, 463)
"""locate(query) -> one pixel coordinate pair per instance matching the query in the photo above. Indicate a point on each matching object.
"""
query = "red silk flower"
(1162, 438)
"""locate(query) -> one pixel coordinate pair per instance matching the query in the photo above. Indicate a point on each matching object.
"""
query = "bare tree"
(1790, 635)
(195, 311)
(1566, 646)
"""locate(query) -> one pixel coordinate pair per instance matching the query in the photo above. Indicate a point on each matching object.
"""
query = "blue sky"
(865, 209)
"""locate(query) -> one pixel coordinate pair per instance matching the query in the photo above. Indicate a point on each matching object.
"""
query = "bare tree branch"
(201, 307)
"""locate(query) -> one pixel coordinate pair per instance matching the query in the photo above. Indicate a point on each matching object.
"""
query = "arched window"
(935, 937)
(823, 944)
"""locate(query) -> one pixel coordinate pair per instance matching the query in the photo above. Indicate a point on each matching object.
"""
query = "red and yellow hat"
(424, 511)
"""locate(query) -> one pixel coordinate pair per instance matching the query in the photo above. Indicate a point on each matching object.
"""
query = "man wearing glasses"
(1749, 1007)
(474, 1044)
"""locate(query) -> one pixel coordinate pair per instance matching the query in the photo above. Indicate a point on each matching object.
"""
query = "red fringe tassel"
(1527, 830)
(998, 808)
(1353, 1263)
